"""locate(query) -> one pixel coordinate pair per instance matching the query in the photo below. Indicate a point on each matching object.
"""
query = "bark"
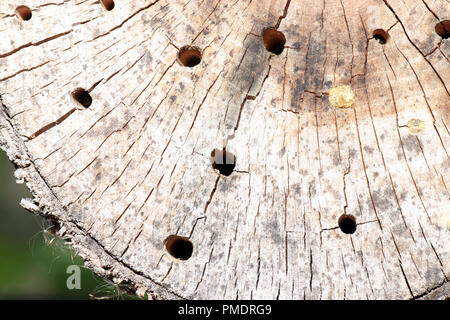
(113, 115)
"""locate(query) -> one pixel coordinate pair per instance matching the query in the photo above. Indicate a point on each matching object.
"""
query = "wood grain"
(133, 168)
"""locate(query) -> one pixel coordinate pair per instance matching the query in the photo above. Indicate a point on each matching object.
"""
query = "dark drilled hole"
(223, 161)
(347, 223)
(380, 36)
(82, 97)
(274, 41)
(443, 29)
(24, 13)
(179, 247)
(108, 4)
(189, 56)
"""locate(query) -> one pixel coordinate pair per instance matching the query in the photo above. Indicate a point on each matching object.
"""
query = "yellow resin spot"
(342, 96)
(415, 125)
(445, 219)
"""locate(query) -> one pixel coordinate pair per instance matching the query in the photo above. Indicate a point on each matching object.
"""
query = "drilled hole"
(24, 13)
(347, 223)
(179, 247)
(274, 41)
(381, 36)
(443, 29)
(223, 161)
(108, 4)
(82, 97)
(189, 56)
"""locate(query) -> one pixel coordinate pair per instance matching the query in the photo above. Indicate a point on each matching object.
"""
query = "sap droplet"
(342, 96)
(415, 125)
(444, 219)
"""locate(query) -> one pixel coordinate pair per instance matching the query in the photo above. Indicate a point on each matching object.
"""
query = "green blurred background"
(33, 263)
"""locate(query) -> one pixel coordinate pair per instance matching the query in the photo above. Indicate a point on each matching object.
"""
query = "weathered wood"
(113, 113)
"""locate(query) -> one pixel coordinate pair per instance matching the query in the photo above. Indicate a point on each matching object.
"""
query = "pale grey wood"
(122, 175)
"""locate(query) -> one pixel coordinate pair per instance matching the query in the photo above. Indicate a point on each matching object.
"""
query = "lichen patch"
(342, 96)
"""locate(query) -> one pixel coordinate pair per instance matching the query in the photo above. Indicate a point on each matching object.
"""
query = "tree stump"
(237, 149)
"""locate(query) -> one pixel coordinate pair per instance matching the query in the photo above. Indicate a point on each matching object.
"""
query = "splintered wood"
(334, 116)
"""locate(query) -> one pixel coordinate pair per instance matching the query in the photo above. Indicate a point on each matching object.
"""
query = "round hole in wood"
(223, 161)
(107, 4)
(347, 223)
(274, 41)
(189, 56)
(180, 248)
(443, 29)
(380, 36)
(82, 97)
(23, 13)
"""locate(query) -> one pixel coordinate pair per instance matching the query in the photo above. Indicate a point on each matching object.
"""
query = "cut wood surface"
(332, 117)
